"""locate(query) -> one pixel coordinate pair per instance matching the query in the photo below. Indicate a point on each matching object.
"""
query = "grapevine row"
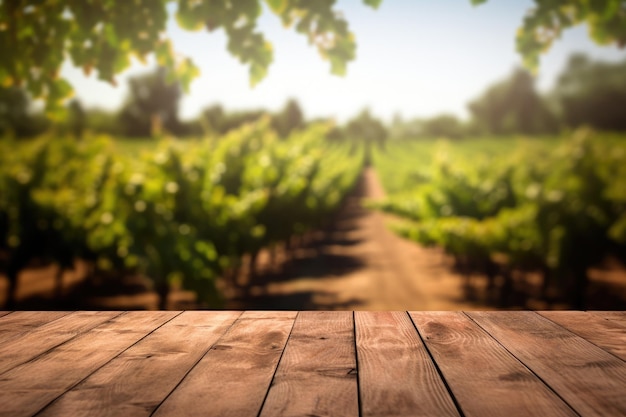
(182, 212)
(558, 209)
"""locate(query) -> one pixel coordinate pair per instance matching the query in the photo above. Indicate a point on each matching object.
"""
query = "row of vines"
(553, 208)
(183, 212)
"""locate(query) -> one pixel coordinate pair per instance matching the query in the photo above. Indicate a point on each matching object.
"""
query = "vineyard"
(183, 213)
(194, 213)
(509, 208)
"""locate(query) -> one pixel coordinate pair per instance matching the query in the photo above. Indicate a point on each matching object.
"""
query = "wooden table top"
(312, 363)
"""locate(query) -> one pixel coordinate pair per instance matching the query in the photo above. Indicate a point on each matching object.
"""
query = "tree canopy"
(37, 36)
(512, 106)
(367, 130)
(605, 20)
(288, 119)
(16, 117)
(152, 104)
(593, 93)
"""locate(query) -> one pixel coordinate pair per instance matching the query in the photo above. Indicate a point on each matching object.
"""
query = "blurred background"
(166, 156)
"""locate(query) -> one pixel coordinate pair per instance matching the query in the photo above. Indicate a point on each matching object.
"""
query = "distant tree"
(152, 105)
(239, 118)
(366, 130)
(289, 119)
(444, 125)
(16, 115)
(102, 121)
(214, 119)
(218, 121)
(14, 105)
(77, 118)
(336, 134)
(593, 93)
(513, 106)
(402, 129)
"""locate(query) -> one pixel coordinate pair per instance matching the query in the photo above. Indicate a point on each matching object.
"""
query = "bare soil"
(357, 263)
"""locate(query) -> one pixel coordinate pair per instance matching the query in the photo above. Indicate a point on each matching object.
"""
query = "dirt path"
(361, 265)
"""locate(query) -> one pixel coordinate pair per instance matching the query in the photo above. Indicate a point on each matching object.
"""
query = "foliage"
(440, 126)
(102, 121)
(365, 129)
(587, 93)
(16, 115)
(182, 212)
(77, 118)
(217, 121)
(593, 93)
(152, 105)
(605, 19)
(557, 209)
(512, 106)
(212, 118)
(36, 37)
(289, 119)
(444, 125)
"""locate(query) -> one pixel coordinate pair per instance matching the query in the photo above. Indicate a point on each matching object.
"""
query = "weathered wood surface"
(266, 363)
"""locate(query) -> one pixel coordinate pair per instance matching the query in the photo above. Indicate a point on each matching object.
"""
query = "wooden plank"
(607, 334)
(232, 379)
(317, 373)
(29, 345)
(31, 386)
(19, 322)
(4, 313)
(589, 379)
(137, 381)
(485, 378)
(616, 316)
(396, 374)
(24, 321)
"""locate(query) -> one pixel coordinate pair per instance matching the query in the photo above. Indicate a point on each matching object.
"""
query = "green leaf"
(373, 3)
(186, 72)
(337, 66)
(61, 89)
(277, 6)
(110, 35)
(257, 73)
(189, 19)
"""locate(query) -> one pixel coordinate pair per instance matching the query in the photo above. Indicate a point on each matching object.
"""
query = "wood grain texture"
(19, 322)
(616, 316)
(268, 363)
(396, 374)
(607, 334)
(485, 379)
(159, 361)
(317, 372)
(4, 313)
(232, 379)
(31, 386)
(28, 345)
(589, 379)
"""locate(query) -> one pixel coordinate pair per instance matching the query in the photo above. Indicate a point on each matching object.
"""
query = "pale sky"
(416, 58)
